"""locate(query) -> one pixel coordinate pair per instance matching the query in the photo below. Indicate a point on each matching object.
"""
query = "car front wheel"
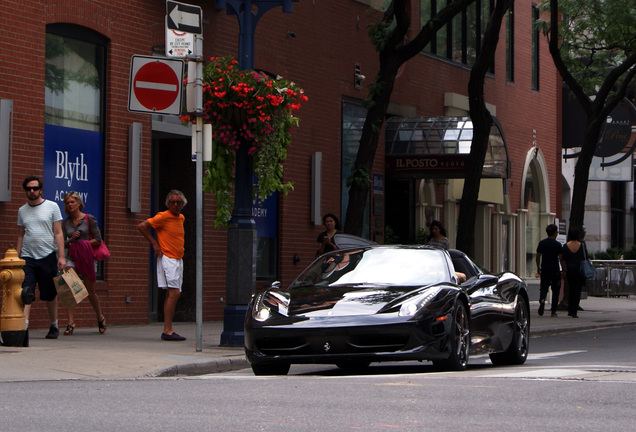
(517, 352)
(459, 341)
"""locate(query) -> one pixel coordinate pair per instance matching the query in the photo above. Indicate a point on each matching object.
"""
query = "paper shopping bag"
(70, 288)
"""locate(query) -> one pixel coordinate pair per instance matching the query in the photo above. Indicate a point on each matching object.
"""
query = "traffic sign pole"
(198, 54)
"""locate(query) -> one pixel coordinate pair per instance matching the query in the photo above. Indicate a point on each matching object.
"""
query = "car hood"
(342, 300)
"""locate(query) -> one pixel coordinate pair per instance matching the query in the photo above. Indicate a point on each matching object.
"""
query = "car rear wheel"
(517, 352)
(459, 341)
(261, 369)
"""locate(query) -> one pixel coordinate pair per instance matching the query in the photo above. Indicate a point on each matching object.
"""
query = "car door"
(485, 303)
(508, 287)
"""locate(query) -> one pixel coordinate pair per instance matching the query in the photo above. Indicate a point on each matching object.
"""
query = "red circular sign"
(156, 86)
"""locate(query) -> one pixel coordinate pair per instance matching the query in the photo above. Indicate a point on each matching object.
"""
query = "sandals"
(69, 329)
(102, 325)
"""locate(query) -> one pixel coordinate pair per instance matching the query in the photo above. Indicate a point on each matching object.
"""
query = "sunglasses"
(176, 202)
(32, 188)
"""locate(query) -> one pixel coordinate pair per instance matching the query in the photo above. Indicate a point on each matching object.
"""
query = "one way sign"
(183, 17)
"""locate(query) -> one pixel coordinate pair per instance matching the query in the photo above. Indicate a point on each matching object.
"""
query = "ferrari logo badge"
(327, 347)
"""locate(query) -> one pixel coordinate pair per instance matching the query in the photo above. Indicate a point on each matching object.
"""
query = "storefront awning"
(439, 147)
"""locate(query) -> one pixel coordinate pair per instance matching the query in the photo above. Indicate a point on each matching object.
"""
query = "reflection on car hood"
(344, 300)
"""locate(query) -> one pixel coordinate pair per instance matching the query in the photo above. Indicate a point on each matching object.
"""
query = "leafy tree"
(593, 45)
(389, 39)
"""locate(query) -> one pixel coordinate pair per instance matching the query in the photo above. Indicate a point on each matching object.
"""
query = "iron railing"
(613, 278)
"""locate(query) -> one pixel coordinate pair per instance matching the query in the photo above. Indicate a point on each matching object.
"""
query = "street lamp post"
(241, 237)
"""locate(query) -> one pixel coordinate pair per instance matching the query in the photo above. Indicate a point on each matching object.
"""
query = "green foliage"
(422, 236)
(630, 254)
(360, 176)
(596, 36)
(389, 236)
(381, 32)
(246, 108)
(614, 254)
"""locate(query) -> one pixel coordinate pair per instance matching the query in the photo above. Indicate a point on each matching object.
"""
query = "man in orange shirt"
(169, 249)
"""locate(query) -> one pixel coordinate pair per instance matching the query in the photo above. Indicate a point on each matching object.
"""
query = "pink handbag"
(100, 252)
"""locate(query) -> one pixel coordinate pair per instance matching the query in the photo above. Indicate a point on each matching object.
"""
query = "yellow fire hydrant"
(14, 297)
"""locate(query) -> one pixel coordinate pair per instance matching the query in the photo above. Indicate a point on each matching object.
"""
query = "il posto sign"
(411, 165)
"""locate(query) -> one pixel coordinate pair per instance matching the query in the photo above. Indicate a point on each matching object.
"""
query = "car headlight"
(268, 303)
(262, 314)
(410, 307)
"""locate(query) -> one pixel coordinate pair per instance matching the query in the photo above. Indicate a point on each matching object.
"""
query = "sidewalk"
(137, 351)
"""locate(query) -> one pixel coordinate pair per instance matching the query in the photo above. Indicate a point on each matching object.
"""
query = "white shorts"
(169, 272)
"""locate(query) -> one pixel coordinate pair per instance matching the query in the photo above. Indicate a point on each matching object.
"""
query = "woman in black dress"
(571, 257)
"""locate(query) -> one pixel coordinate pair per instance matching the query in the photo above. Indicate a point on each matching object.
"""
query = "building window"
(74, 115)
(535, 47)
(353, 117)
(510, 44)
(459, 41)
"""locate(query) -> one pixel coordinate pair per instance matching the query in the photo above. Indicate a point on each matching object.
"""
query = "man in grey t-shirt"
(41, 246)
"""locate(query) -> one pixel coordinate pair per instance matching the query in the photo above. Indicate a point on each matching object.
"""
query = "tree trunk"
(394, 51)
(482, 123)
(360, 177)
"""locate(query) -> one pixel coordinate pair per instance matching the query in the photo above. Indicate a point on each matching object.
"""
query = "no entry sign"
(155, 85)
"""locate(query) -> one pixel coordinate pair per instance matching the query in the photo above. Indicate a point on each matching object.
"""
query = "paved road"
(137, 351)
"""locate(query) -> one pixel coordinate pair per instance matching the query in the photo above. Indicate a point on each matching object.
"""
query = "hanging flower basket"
(246, 108)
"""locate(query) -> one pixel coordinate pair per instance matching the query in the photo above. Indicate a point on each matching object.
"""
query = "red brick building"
(65, 67)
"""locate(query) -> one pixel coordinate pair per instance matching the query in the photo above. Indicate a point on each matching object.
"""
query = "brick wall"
(331, 36)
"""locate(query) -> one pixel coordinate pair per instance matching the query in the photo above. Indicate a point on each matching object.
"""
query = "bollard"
(14, 297)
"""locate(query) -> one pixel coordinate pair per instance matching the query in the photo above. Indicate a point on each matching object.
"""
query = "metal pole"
(198, 52)
(241, 243)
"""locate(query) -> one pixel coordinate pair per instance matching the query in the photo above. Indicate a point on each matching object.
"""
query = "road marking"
(542, 356)
(540, 373)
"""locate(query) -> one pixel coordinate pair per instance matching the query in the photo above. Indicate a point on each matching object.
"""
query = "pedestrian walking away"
(549, 269)
(41, 245)
(571, 257)
(169, 248)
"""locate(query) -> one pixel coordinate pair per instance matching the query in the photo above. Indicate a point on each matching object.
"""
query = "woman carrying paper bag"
(81, 235)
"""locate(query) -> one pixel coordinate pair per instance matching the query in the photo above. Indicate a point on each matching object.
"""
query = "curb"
(196, 369)
(582, 327)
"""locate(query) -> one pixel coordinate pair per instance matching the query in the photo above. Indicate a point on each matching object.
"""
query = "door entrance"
(172, 168)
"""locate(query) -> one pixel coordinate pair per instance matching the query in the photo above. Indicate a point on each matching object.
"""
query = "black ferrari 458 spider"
(376, 303)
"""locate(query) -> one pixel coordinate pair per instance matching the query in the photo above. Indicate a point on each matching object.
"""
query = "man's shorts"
(41, 272)
(169, 272)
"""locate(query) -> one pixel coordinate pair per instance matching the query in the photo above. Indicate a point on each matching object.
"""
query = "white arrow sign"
(183, 17)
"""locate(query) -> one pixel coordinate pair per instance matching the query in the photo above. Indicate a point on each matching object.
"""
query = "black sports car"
(369, 304)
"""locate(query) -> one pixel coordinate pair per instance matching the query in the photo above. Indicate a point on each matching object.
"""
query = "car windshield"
(384, 266)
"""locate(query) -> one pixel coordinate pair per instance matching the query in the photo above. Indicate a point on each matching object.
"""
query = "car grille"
(333, 344)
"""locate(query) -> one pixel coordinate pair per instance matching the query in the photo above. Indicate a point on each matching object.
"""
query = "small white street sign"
(179, 44)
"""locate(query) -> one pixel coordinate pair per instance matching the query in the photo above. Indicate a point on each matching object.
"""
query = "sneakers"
(53, 333)
(541, 308)
(553, 315)
(172, 337)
